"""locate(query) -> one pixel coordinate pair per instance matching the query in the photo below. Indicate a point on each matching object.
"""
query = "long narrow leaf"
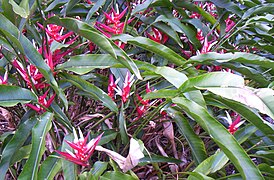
(122, 126)
(222, 138)
(248, 113)
(260, 99)
(12, 95)
(49, 168)
(219, 159)
(15, 143)
(69, 168)
(194, 141)
(214, 79)
(91, 89)
(38, 147)
(240, 57)
(152, 46)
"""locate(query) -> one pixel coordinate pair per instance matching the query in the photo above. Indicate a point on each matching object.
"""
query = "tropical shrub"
(151, 89)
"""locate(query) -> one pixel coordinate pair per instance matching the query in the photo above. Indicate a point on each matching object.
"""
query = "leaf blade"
(38, 147)
(222, 137)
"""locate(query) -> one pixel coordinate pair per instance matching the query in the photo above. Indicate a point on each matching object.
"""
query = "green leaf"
(268, 7)
(194, 141)
(12, 95)
(181, 28)
(240, 57)
(89, 61)
(116, 175)
(260, 99)
(108, 136)
(141, 7)
(8, 11)
(92, 90)
(219, 159)
(56, 45)
(152, 46)
(196, 96)
(267, 97)
(197, 175)
(213, 79)
(98, 169)
(171, 75)
(84, 63)
(61, 116)
(246, 112)
(211, 164)
(95, 8)
(12, 39)
(193, 7)
(267, 169)
(252, 71)
(222, 137)
(39, 133)
(70, 5)
(50, 167)
(54, 4)
(22, 153)
(228, 5)
(69, 168)
(21, 11)
(122, 126)
(162, 93)
(14, 145)
(170, 32)
(158, 159)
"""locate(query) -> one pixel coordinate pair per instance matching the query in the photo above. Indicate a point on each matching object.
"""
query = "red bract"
(113, 25)
(82, 149)
(233, 126)
(125, 92)
(35, 76)
(4, 79)
(145, 103)
(199, 35)
(111, 86)
(158, 36)
(42, 103)
(55, 33)
(229, 24)
(53, 59)
(89, 2)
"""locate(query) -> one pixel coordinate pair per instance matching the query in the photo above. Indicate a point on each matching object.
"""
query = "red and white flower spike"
(112, 85)
(142, 101)
(82, 149)
(4, 80)
(158, 36)
(55, 33)
(207, 46)
(42, 102)
(229, 24)
(125, 92)
(233, 125)
(113, 25)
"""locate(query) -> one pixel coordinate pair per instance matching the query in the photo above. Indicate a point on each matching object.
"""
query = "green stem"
(102, 120)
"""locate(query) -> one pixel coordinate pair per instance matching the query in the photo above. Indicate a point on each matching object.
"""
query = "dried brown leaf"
(132, 160)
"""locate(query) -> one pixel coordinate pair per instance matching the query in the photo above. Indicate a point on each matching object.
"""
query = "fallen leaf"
(132, 160)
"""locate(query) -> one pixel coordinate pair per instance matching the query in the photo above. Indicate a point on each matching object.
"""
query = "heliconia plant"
(141, 89)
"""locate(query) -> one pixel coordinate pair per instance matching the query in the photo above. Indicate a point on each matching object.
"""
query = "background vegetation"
(152, 89)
